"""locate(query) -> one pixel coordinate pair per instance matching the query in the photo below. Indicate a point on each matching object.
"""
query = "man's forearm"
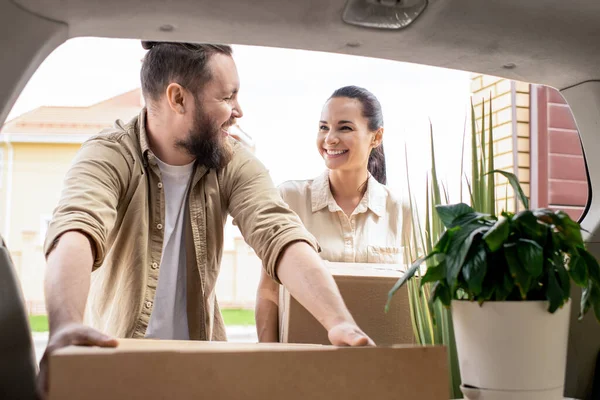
(67, 282)
(303, 273)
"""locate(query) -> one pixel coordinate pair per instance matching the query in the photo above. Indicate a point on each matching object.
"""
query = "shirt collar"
(374, 198)
(143, 136)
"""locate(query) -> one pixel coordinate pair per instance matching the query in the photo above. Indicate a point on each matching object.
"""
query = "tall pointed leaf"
(437, 198)
(491, 182)
(482, 164)
(474, 165)
(462, 159)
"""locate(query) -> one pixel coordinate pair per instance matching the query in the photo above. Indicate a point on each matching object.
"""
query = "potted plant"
(432, 322)
(508, 280)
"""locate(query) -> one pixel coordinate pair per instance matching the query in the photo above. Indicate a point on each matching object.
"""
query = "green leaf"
(578, 270)
(514, 182)
(434, 273)
(505, 288)
(592, 265)
(531, 256)
(444, 243)
(585, 300)
(520, 275)
(437, 198)
(466, 219)
(529, 225)
(569, 228)
(498, 234)
(474, 166)
(458, 250)
(448, 213)
(441, 291)
(554, 292)
(491, 184)
(406, 276)
(474, 271)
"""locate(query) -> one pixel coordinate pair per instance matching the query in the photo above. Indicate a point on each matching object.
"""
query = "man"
(144, 205)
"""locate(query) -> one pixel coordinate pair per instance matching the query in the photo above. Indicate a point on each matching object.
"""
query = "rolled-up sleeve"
(265, 221)
(90, 195)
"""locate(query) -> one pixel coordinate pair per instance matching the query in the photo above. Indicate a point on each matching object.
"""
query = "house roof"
(52, 120)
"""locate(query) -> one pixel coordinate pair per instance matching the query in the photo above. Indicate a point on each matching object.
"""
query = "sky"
(282, 94)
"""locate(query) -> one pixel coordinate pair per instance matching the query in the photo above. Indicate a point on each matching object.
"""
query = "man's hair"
(182, 63)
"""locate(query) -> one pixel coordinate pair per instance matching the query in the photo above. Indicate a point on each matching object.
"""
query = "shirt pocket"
(384, 255)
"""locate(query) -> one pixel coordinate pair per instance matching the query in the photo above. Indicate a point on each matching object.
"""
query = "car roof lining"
(551, 42)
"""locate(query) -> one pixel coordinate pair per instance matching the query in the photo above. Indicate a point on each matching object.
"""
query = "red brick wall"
(562, 179)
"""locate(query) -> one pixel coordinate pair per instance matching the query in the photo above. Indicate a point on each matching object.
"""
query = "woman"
(348, 208)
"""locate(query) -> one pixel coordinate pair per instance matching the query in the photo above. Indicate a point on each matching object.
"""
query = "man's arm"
(303, 273)
(66, 287)
(75, 244)
(287, 249)
(67, 282)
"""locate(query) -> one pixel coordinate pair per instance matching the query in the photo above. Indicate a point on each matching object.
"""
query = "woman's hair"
(183, 63)
(371, 110)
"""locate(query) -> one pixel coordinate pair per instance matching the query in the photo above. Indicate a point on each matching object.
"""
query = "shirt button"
(154, 265)
(159, 226)
(148, 304)
(160, 185)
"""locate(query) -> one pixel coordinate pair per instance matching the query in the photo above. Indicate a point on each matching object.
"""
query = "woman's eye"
(345, 128)
(323, 128)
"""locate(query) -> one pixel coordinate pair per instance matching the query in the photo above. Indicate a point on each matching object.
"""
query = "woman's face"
(344, 140)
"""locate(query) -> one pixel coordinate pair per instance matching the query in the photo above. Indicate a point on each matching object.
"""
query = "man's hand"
(347, 334)
(71, 334)
(302, 271)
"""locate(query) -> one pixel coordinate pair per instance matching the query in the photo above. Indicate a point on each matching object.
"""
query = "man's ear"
(175, 94)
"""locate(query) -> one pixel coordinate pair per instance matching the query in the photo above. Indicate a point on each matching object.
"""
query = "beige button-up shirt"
(372, 234)
(113, 193)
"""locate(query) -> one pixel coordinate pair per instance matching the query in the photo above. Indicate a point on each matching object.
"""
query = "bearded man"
(136, 240)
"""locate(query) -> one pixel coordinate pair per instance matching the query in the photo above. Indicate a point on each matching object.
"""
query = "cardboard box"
(364, 288)
(150, 369)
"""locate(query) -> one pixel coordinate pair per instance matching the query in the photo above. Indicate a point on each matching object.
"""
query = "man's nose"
(237, 111)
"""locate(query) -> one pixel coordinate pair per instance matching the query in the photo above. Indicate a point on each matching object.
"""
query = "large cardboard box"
(149, 369)
(364, 288)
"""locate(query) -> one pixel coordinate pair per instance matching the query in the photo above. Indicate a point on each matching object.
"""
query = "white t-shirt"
(169, 315)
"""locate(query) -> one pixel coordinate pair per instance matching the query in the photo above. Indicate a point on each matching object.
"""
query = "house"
(535, 137)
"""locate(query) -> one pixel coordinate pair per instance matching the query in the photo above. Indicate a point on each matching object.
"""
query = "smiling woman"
(348, 208)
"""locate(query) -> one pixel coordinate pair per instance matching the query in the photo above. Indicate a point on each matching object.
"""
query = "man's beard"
(207, 143)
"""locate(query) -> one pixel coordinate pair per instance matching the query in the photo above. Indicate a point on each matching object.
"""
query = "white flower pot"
(512, 350)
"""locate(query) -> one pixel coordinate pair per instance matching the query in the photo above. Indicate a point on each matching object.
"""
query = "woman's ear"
(377, 137)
